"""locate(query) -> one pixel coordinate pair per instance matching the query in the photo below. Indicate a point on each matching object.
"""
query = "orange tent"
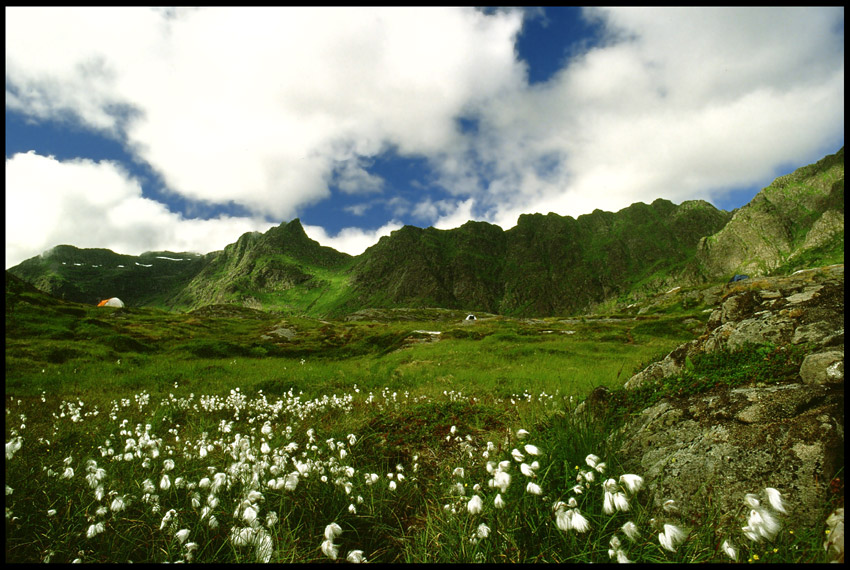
(112, 302)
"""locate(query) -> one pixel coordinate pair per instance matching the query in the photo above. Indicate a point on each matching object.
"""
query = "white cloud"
(267, 107)
(97, 204)
(352, 241)
(259, 106)
(679, 104)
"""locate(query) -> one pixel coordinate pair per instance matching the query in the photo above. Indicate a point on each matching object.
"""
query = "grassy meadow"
(232, 435)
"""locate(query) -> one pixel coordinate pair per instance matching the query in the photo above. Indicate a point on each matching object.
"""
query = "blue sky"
(168, 129)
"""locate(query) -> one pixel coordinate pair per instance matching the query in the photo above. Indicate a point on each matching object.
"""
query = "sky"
(150, 129)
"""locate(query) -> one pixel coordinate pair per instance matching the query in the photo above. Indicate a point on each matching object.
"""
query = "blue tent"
(739, 278)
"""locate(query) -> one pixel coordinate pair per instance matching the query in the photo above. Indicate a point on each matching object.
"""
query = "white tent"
(113, 302)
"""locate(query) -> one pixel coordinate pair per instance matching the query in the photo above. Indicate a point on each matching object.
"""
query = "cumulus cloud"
(675, 103)
(260, 106)
(269, 108)
(352, 241)
(97, 204)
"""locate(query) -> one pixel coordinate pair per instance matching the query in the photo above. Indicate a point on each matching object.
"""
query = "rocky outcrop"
(804, 308)
(799, 212)
(715, 447)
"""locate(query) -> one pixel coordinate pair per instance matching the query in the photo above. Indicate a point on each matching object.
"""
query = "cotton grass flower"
(355, 557)
(533, 488)
(499, 502)
(671, 537)
(182, 535)
(330, 549)
(633, 483)
(532, 449)
(475, 505)
(94, 530)
(730, 550)
(502, 480)
(775, 499)
(630, 529)
(117, 504)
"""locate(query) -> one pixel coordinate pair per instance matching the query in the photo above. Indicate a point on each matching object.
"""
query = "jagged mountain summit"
(545, 265)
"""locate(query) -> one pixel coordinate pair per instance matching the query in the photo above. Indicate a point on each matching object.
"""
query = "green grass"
(114, 394)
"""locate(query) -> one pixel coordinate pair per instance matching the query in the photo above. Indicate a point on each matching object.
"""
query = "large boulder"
(714, 448)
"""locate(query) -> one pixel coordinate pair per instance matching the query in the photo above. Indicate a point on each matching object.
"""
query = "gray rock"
(823, 368)
(716, 448)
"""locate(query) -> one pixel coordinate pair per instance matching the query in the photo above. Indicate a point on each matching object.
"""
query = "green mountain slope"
(796, 221)
(89, 275)
(546, 265)
(282, 268)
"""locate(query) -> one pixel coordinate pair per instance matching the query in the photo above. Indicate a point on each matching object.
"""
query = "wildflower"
(94, 530)
(165, 482)
(630, 530)
(51, 512)
(168, 465)
(330, 549)
(352, 509)
(671, 537)
(522, 433)
(182, 535)
(532, 449)
(764, 523)
(730, 550)
(117, 504)
(632, 482)
(620, 501)
(266, 429)
(775, 499)
(332, 531)
(563, 520)
(264, 546)
(526, 470)
(167, 518)
(13, 447)
(483, 531)
(517, 455)
(271, 519)
(579, 523)
(591, 460)
(499, 502)
(291, 481)
(242, 536)
(502, 480)
(68, 473)
(670, 506)
(458, 472)
(249, 515)
(355, 557)
(393, 485)
(600, 467)
(751, 500)
(475, 505)
(608, 503)
(533, 488)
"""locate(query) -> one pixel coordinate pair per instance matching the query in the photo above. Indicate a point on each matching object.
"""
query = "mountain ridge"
(546, 265)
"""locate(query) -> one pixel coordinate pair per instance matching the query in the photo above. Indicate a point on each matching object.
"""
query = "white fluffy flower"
(775, 499)
(475, 505)
(671, 537)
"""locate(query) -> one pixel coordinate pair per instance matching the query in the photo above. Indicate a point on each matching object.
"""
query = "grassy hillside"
(228, 434)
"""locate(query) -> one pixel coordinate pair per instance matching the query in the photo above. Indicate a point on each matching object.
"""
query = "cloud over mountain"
(270, 109)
